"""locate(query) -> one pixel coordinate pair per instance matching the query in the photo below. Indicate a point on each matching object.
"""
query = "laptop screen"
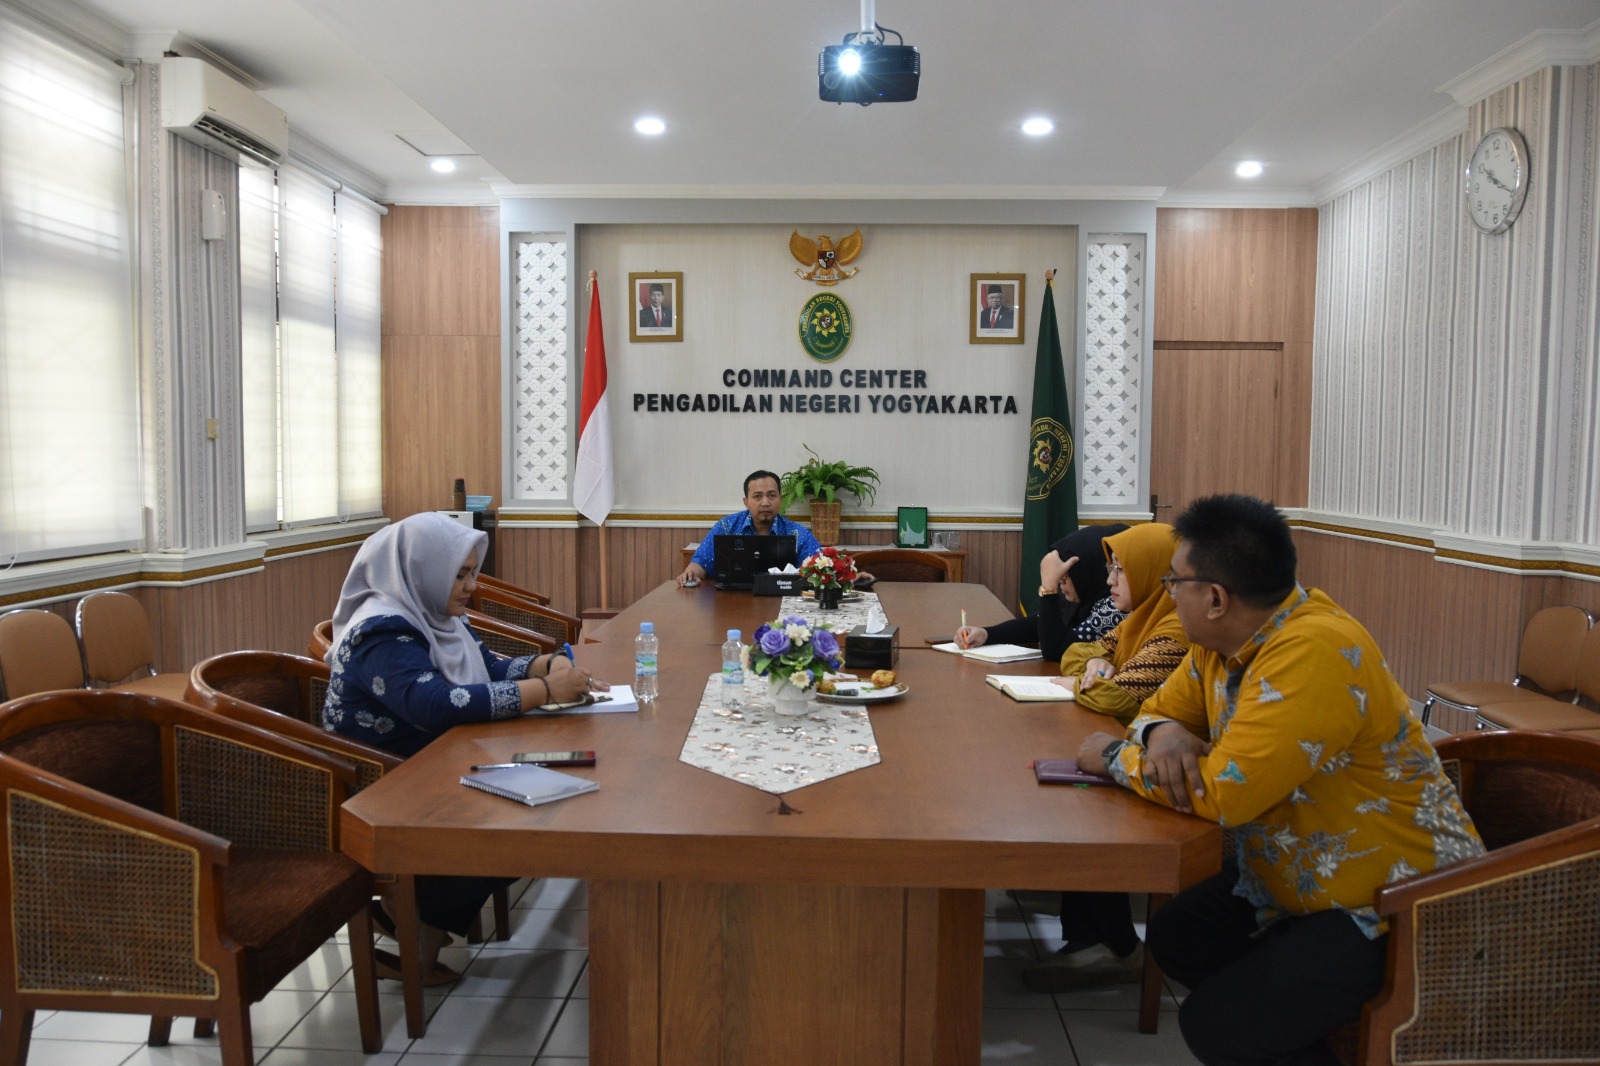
(738, 557)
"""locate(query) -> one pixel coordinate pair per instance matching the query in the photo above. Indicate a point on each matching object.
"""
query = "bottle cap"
(647, 627)
(733, 634)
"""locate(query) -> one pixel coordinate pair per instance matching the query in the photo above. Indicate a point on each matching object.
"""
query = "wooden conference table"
(842, 924)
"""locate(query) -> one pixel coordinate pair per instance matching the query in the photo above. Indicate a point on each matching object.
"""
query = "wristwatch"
(1045, 590)
(1112, 750)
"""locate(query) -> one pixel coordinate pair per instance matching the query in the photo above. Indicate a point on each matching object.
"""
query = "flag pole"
(593, 487)
(605, 554)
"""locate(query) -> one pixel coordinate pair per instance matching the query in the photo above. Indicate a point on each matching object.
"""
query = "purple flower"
(825, 644)
(773, 641)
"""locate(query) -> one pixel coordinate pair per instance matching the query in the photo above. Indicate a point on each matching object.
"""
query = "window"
(311, 261)
(69, 444)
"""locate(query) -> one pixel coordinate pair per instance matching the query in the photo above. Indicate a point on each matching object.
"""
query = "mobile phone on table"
(555, 758)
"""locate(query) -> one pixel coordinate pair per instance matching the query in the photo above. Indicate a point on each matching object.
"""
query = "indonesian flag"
(592, 489)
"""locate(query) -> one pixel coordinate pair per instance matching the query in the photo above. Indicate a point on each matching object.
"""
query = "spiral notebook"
(530, 784)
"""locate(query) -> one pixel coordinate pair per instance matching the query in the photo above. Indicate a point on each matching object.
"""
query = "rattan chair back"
(526, 613)
(903, 564)
(115, 633)
(507, 639)
(38, 652)
(290, 685)
(516, 590)
(321, 640)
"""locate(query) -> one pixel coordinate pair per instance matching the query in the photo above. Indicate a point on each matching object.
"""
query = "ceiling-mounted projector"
(863, 70)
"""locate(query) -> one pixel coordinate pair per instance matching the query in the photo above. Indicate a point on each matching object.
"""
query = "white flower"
(378, 687)
(800, 679)
(425, 677)
(460, 697)
(799, 634)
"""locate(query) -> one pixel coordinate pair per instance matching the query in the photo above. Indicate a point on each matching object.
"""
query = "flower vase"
(828, 597)
(788, 700)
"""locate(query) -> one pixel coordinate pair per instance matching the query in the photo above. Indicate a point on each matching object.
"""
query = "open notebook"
(992, 653)
(1030, 689)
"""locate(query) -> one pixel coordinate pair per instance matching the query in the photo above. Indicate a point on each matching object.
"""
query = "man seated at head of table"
(760, 517)
(1283, 723)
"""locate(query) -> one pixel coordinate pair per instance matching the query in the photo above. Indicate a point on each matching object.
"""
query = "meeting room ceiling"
(1149, 97)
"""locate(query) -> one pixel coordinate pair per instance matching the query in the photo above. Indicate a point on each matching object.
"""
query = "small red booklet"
(1066, 772)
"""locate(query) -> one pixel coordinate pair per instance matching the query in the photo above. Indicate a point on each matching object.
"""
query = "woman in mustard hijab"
(1118, 672)
(1113, 676)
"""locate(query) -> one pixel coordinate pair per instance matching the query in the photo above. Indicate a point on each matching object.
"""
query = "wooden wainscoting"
(1434, 621)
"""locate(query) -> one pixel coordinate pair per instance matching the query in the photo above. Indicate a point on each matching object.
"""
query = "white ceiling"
(1149, 97)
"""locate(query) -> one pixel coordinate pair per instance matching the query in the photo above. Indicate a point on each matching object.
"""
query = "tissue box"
(872, 651)
(778, 584)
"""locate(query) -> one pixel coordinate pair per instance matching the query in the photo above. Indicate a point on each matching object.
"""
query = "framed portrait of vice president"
(995, 304)
(655, 307)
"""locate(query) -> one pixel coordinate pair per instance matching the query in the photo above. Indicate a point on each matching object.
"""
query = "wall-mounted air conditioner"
(201, 103)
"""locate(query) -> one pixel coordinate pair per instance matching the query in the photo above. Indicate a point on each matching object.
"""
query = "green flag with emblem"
(1050, 504)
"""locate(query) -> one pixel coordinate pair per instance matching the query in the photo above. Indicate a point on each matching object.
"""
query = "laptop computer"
(738, 557)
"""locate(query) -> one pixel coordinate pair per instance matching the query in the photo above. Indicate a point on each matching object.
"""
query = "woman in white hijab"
(405, 668)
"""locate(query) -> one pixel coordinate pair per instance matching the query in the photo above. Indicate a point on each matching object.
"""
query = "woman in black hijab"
(1074, 603)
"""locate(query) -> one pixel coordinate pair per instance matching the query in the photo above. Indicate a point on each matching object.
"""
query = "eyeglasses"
(1170, 580)
(1114, 569)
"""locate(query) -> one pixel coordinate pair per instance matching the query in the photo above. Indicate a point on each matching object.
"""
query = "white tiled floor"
(525, 1001)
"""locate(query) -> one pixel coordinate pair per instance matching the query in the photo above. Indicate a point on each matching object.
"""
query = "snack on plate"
(825, 687)
(883, 678)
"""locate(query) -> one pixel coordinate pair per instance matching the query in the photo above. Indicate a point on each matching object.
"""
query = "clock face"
(1497, 179)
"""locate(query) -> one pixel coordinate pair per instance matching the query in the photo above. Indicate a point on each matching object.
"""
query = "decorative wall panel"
(1111, 438)
(1455, 377)
(539, 375)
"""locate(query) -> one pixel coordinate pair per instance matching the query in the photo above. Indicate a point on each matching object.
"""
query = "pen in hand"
(961, 634)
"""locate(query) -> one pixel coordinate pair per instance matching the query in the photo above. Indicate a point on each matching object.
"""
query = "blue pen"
(566, 649)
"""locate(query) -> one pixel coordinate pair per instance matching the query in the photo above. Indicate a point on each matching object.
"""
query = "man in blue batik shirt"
(760, 517)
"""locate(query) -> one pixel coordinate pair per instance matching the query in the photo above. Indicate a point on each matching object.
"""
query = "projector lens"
(849, 62)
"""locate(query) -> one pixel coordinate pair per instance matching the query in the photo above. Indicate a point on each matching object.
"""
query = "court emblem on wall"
(825, 261)
(1049, 457)
(825, 327)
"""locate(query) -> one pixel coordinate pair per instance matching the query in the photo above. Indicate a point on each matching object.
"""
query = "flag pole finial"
(593, 274)
(1049, 275)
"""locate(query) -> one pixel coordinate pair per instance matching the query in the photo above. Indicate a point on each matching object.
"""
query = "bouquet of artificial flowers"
(788, 649)
(830, 568)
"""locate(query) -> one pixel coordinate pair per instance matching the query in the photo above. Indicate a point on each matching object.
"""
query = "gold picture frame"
(642, 312)
(1002, 324)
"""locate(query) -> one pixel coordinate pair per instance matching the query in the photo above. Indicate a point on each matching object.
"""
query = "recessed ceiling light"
(650, 127)
(443, 166)
(1248, 169)
(1037, 127)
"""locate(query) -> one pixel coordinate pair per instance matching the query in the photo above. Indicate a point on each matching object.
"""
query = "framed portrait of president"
(655, 307)
(996, 305)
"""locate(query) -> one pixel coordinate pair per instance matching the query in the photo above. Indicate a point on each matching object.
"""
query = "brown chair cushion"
(275, 692)
(120, 757)
(1551, 715)
(169, 686)
(1514, 801)
(284, 903)
(1474, 694)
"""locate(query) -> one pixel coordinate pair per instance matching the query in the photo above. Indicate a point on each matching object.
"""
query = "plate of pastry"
(881, 687)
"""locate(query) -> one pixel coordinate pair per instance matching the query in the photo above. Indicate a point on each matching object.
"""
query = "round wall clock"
(1497, 179)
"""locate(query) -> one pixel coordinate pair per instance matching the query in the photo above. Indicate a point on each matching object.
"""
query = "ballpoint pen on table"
(499, 766)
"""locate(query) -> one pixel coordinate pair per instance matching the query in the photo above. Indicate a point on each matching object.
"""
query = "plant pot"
(828, 598)
(788, 700)
(825, 522)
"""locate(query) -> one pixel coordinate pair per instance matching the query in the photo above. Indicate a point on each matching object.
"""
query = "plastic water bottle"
(646, 648)
(732, 672)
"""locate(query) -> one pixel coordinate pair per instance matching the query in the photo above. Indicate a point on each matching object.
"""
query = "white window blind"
(258, 317)
(313, 329)
(69, 447)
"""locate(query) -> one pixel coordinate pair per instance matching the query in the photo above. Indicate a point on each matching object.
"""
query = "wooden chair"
(903, 564)
(38, 652)
(162, 860)
(1496, 959)
(283, 694)
(118, 651)
(527, 613)
(1553, 715)
(516, 590)
(1547, 660)
(498, 636)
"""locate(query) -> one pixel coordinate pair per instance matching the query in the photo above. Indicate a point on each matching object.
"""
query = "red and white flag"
(592, 489)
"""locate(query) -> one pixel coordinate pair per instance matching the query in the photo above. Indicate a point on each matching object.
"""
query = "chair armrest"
(1492, 866)
(370, 763)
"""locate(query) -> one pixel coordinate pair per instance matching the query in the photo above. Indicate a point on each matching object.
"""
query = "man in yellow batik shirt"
(1284, 724)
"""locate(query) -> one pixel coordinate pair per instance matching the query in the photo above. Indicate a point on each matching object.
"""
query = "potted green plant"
(821, 482)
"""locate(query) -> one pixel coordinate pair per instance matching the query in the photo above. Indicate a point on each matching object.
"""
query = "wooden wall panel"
(441, 355)
(1435, 621)
(1237, 278)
